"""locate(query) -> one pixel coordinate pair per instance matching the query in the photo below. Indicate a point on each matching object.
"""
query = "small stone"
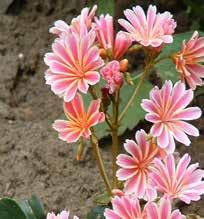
(4, 110)
(4, 5)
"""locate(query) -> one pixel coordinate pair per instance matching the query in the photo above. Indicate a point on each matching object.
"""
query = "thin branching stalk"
(115, 140)
(95, 146)
(136, 91)
(163, 59)
(93, 93)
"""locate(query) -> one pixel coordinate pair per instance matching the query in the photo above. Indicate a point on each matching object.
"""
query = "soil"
(32, 159)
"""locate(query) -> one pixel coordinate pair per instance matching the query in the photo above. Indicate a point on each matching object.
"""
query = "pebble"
(4, 5)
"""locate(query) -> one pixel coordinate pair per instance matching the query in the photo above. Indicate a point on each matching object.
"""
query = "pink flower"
(178, 180)
(136, 167)
(163, 210)
(62, 215)
(112, 75)
(79, 121)
(152, 30)
(116, 45)
(126, 207)
(85, 18)
(59, 27)
(167, 110)
(73, 65)
(189, 61)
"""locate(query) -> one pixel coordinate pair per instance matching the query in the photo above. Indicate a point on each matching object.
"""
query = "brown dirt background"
(32, 159)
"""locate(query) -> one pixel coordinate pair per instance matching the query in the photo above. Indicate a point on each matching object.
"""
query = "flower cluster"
(73, 67)
(146, 171)
(114, 46)
(151, 166)
(128, 208)
(88, 50)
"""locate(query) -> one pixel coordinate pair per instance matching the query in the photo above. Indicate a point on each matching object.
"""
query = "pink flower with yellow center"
(79, 121)
(73, 65)
(62, 215)
(112, 75)
(136, 167)
(189, 61)
(116, 45)
(179, 180)
(153, 30)
(167, 110)
(126, 207)
(85, 18)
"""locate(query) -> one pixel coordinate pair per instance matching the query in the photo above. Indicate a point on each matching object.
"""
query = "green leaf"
(37, 207)
(166, 68)
(135, 113)
(96, 213)
(9, 209)
(32, 208)
(101, 130)
(28, 211)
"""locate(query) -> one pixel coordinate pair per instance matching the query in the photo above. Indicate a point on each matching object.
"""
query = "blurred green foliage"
(195, 9)
(104, 6)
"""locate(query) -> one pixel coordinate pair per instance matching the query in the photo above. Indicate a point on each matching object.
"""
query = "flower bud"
(124, 65)
(103, 53)
(105, 98)
(112, 75)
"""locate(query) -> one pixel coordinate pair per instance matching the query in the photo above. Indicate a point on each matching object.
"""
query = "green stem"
(114, 134)
(136, 91)
(95, 146)
(93, 93)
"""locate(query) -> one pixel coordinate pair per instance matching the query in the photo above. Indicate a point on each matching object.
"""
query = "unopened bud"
(103, 53)
(105, 92)
(80, 150)
(124, 65)
(105, 98)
